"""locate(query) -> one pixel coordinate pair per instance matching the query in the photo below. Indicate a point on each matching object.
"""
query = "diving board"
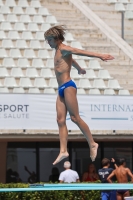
(74, 186)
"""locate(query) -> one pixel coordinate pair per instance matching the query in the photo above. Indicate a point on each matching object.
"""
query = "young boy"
(121, 173)
(66, 100)
(103, 175)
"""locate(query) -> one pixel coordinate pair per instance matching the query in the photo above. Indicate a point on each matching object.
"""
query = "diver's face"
(52, 42)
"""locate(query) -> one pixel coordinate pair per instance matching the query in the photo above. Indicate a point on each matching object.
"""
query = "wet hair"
(67, 164)
(105, 162)
(121, 161)
(57, 32)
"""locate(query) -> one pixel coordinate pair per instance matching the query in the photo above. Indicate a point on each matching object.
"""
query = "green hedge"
(47, 195)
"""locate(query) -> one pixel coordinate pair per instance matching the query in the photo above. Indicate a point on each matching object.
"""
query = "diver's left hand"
(82, 71)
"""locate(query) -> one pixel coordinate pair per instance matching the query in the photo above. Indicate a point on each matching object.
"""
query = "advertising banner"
(29, 111)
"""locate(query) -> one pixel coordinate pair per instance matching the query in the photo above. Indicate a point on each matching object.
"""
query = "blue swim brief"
(64, 86)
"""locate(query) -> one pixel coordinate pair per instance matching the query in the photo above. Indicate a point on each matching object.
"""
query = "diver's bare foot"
(93, 151)
(60, 157)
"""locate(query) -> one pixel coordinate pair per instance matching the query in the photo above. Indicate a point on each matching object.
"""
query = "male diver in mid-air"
(67, 100)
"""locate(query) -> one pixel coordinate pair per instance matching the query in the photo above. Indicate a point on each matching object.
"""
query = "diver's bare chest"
(58, 59)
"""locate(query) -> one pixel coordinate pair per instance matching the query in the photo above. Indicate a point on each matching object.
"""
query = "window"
(48, 153)
(81, 157)
(119, 150)
(19, 167)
